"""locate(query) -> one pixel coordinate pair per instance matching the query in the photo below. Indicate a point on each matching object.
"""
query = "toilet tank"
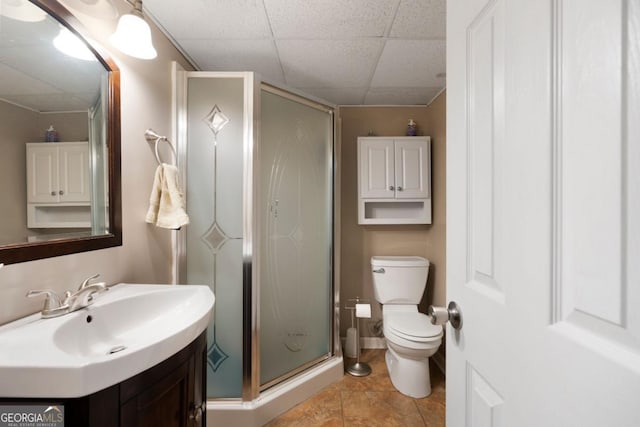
(399, 279)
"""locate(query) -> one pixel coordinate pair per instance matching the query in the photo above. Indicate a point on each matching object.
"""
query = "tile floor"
(370, 401)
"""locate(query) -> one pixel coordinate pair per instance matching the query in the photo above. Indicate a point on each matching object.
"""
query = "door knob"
(391, 187)
(399, 188)
(441, 315)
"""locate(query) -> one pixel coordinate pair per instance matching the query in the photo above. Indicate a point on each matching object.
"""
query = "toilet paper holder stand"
(358, 368)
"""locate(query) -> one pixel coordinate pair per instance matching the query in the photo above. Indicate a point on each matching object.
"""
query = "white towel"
(166, 203)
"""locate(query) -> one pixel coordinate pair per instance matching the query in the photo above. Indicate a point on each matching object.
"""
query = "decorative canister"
(411, 128)
(51, 135)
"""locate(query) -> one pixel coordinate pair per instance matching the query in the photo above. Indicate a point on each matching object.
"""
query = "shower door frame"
(253, 85)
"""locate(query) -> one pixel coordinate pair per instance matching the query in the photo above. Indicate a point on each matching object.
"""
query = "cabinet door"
(170, 394)
(42, 173)
(376, 168)
(74, 172)
(412, 168)
(164, 403)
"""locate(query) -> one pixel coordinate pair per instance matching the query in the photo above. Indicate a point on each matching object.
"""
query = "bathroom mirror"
(58, 198)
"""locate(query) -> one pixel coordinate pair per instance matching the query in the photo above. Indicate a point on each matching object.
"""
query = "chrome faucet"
(83, 297)
(55, 306)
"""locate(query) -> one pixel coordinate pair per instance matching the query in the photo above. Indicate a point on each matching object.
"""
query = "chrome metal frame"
(250, 267)
(334, 343)
(179, 135)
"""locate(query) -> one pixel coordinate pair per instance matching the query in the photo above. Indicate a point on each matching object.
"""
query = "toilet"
(398, 284)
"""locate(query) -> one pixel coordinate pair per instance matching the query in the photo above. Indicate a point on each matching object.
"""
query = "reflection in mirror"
(59, 136)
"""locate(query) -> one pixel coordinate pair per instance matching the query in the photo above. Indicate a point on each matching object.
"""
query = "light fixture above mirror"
(133, 35)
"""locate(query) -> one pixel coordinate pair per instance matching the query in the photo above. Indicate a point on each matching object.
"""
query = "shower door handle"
(379, 271)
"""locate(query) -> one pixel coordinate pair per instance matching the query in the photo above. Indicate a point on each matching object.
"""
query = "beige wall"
(359, 243)
(16, 128)
(70, 126)
(145, 256)
(437, 235)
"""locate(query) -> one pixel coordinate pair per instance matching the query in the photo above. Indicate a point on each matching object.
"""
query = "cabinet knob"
(391, 187)
(197, 412)
(399, 188)
(61, 192)
(53, 193)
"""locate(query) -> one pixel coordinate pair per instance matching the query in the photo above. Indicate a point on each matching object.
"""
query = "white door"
(42, 173)
(74, 172)
(412, 168)
(543, 212)
(376, 168)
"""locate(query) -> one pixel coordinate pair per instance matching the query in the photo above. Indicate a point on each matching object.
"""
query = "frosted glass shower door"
(217, 123)
(295, 235)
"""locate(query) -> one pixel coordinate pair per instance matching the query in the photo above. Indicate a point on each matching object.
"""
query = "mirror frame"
(21, 252)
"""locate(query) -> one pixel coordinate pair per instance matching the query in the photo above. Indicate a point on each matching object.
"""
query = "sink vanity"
(135, 357)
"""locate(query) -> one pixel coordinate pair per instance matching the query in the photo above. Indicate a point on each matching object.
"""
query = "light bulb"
(69, 44)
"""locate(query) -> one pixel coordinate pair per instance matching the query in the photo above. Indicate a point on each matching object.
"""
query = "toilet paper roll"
(439, 315)
(363, 311)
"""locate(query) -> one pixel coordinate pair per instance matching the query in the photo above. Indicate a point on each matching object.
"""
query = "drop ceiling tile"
(330, 18)
(411, 63)
(342, 96)
(401, 95)
(50, 103)
(14, 82)
(61, 71)
(328, 63)
(420, 19)
(14, 33)
(220, 19)
(259, 56)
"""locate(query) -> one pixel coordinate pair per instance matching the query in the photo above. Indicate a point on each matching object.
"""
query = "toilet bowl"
(399, 283)
(411, 340)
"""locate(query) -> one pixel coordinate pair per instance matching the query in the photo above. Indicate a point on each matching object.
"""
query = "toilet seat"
(413, 326)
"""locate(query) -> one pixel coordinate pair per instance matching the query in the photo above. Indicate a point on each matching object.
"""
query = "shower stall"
(258, 168)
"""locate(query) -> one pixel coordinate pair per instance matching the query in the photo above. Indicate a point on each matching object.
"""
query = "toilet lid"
(415, 326)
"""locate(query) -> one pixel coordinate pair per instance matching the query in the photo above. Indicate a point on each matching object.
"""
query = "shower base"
(277, 399)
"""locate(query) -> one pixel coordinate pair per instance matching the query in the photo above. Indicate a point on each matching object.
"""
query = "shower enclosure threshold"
(277, 399)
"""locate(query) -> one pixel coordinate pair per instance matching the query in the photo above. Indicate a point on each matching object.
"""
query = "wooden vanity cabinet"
(166, 395)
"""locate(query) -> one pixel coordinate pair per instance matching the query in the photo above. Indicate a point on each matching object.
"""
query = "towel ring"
(151, 135)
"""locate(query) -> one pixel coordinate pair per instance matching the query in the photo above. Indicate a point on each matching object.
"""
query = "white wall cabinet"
(394, 180)
(58, 185)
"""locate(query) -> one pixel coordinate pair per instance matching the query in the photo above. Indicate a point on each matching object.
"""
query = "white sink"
(127, 330)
